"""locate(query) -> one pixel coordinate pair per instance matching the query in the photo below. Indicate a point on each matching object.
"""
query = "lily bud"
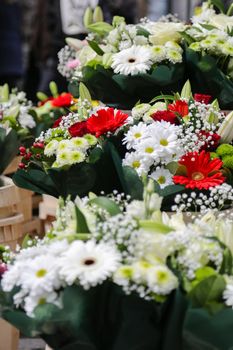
(88, 17)
(53, 88)
(98, 15)
(4, 93)
(226, 129)
(41, 96)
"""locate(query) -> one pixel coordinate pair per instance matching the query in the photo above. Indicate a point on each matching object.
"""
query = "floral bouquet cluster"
(16, 124)
(116, 266)
(184, 144)
(80, 153)
(210, 52)
(121, 64)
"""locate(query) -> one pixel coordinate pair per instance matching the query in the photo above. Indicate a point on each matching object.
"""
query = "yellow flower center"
(161, 180)
(163, 142)
(162, 276)
(41, 273)
(149, 150)
(197, 176)
(136, 164)
(42, 301)
(137, 135)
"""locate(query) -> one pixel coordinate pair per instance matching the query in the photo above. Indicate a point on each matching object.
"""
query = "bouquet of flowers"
(121, 64)
(185, 145)
(16, 124)
(209, 52)
(121, 275)
(81, 153)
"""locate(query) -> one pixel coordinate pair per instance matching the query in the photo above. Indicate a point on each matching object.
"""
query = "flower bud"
(41, 96)
(53, 88)
(88, 17)
(98, 15)
(226, 129)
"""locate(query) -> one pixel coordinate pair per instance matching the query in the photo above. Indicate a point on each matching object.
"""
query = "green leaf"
(84, 92)
(208, 291)
(133, 183)
(219, 4)
(101, 28)
(9, 145)
(154, 226)
(172, 167)
(171, 190)
(95, 155)
(227, 263)
(143, 31)
(207, 26)
(81, 223)
(105, 203)
(162, 97)
(95, 47)
(189, 40)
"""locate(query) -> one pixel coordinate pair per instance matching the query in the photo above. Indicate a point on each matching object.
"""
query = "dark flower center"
(132, 60)
(89, 262)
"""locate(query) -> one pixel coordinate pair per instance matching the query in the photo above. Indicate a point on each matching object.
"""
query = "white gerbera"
(31, 301)
(162, 176)
(132, 61)
(88, 263)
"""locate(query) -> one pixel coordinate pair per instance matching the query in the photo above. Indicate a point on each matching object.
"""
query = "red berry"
(38, 156)
(28, 156)
(22, 150)
(38, 145)
(22, 166)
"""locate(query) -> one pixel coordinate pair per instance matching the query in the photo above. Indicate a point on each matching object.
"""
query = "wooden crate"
(47, 211)
(9, 336)
(8, 197)
(13, 166)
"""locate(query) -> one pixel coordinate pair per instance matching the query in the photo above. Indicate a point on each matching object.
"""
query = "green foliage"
(9, 145)
(95, 47)
(208, 293)
(81, 222)
(219, 4)
(101, 28)
(107, 204)
(224, 150)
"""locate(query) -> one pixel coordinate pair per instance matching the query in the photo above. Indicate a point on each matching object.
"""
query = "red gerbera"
(64, 100)
(211, 140)
(200, 171)
(202, 98)
(105, 120)
(180, 107)
(164, 115)
(78, 129)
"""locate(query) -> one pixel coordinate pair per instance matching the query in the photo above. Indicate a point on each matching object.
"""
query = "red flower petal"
(202, 98)
(167, 116)
(64, 100)
(202, 173)
(78, 129)
(180, 107)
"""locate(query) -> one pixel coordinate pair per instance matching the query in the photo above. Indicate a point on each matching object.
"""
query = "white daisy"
(31, 301)
(162, 176)
(140, 162)
(135, 133)
(132, 61)
(89, 263)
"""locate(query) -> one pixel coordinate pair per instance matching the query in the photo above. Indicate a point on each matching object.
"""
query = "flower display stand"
(13, 166)
(9, 336)
(47, 210)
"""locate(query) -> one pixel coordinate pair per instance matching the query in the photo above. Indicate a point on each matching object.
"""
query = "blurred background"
(33, 31)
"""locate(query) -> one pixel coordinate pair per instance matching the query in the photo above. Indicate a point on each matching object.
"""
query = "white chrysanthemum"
(158, 53)
(88, 263)
(174, 56)
(91, 139)
(139, 162)
(227, 49)
(76, 157)
(63, 158)
(25, 119)
(123, 275)
(132, 61)
(173, 45)
(79, 142)
(135, 133)
(11, 277)
(162, 176)
(64, 145)
(161, 280)
(51, 148)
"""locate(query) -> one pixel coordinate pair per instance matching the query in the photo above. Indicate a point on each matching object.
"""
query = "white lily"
(226, 129)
